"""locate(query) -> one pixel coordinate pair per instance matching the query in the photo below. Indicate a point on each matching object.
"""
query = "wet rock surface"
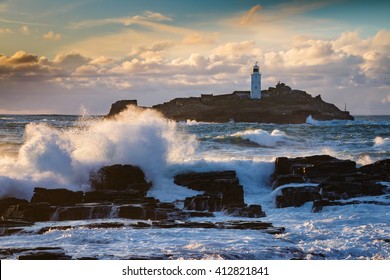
(326, 180)
(118, 177)
(39, 253)
(219, 190)
(120, 191)
(120, 106)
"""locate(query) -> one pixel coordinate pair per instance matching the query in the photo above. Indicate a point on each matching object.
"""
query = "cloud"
(237, 51)
(52, 36)
(144, 19)
(101, 60)
(5, 31)
(200, 39)
(248, 16)
(376, 67)
(71, 61)
(25, 30)
(153, 53)
(3, 7)
(86, 70)
(381, 41)
(386, 99)
(156, 16)
(25, 67)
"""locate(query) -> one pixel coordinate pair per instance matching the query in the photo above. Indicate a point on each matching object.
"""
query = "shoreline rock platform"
(120, 192)
(279, 105)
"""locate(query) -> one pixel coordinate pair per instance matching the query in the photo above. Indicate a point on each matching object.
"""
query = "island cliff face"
(279, 104)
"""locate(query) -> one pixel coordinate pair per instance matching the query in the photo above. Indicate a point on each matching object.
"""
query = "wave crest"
(262, 137)
(380, 141)
(53, 158)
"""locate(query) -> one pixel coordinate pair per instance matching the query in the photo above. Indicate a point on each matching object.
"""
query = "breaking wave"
(381, 142)
(52, 157)
(262, 137)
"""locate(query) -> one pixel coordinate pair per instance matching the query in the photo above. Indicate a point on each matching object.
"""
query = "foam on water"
(381, 142)
(53, 158)
(261, 137)
(310, 120)
(253, 175)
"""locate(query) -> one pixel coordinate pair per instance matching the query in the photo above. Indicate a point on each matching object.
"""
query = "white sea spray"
(52, 157)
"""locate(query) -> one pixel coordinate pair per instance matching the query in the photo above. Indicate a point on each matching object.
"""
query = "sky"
(68, 56)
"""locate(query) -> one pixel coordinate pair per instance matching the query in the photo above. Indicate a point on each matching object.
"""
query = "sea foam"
(53, 158)
(262, 137)
(381, 142)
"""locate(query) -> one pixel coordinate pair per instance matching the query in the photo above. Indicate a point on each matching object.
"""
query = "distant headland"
(279, 104)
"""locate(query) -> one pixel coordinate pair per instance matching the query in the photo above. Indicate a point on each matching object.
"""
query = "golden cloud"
(52, 36)
(248, 16)
(200, 39)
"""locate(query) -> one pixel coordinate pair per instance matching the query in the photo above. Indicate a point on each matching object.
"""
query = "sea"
(60, 151)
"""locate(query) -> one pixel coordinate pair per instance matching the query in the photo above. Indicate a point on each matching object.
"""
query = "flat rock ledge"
(120, 191)
(328, 181)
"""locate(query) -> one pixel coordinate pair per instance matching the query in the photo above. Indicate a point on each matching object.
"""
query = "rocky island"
(279, 104)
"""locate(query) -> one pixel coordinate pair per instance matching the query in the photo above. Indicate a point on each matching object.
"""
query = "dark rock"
(215, 185)
(199, 214)
(58, 254)
(26, 252)
(289, 166)
(32, 212)
(115, 197)
(120, 178)
(10, 231)
(251, 211)
(379, 170)
(185, 224)
(287, 179)
(142, 225)
(242, 225)
(318, 205)
(203, 203)
(59, 197)
(47, 229)
(328, 168)
(233, 195)
(105, 225)
(209, 182)
(120, 106)
(166, 205)
(337, 179)
(343, 190)
(133, 212)
(82, 212)
(148, 257)
(14, 223)
(255, 225)
(8, 201)
(296, 196)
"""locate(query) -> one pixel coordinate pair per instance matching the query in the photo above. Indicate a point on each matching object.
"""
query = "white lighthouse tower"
(256, 83)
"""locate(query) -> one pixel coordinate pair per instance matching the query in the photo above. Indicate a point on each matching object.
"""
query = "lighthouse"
(256, 83)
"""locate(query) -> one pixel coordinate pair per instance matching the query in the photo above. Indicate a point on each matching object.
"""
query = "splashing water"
(261, 137)
(52, 157)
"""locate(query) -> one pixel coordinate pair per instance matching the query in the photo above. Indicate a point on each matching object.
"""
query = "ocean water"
(55, 151)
